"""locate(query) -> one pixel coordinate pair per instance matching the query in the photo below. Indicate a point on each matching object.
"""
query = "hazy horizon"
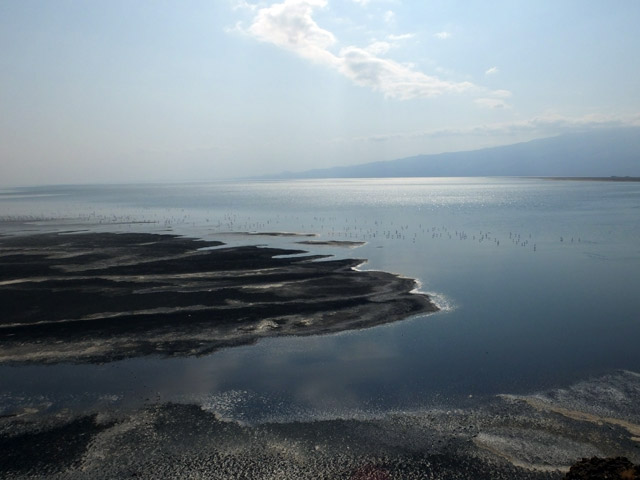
(125, 92)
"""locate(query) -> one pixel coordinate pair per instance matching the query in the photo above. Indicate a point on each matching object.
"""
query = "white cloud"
(243, 5)
(379, 48)
(362, 2)
(491, 71)
(501, 93)
(397, 38)
(442, 35)
(290, 25)
(389, 16)
(391, 78)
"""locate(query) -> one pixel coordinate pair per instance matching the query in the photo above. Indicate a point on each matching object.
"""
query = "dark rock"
(604, 468)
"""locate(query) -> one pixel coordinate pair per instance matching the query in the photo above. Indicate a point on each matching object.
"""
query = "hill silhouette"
(596, 153)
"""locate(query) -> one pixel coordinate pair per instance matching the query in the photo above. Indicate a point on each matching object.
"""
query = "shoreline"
(536, 436)
(592, 179)
(109, 296)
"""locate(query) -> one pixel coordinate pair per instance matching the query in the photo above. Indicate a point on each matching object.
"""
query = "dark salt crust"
(99, 297)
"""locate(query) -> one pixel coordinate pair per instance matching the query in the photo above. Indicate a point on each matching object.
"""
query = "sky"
(194, 90)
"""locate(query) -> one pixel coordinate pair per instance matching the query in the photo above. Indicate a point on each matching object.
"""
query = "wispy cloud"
(491, 71)
(364, 3)
(442, 35)
(379, 48)
(290, 25)
(391, 78)
(389, 16)
(539, 126)
(404, 36)
(501, 93)
(494, 99)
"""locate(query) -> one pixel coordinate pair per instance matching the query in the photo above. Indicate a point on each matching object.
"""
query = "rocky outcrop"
(618, 468)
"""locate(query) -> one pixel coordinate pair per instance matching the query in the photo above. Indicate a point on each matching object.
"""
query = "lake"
(538, 282)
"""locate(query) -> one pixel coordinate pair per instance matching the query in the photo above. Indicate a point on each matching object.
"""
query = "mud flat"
(332, 243)
(99, 297)
(504, 437)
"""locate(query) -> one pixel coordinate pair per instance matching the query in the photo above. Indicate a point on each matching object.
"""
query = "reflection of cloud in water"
(286, 378)
(327, 394)
(368, 350)
(198, 378)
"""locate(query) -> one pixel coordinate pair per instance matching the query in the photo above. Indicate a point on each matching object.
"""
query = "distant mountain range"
(596, 153)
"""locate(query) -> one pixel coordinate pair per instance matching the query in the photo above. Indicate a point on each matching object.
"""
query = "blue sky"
(130, 91)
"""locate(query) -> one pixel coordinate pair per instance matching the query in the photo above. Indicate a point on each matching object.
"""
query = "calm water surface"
(538, 281)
